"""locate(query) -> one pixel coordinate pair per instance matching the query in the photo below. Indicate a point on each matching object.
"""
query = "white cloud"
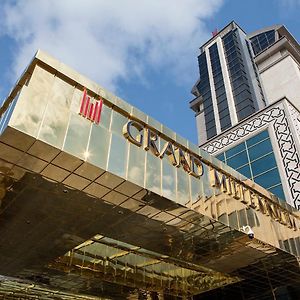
(110, 40)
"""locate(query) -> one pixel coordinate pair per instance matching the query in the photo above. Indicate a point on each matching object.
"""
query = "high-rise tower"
(247, 105)
(229, 89)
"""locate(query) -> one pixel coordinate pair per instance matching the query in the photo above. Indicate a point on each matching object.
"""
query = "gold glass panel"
(118, 155)
(77, 136)
(153, 173)
(153, 123)
(242, 217)
(32, 101)
(232, 219)
(168, 132)
(99, 146)
(117, 123)
(139, 114)
(105, 117)
(183, 191)
(196, 189)
(76, 100)
(168, 179)
(181, 140)
(57, 113)
(136, 165)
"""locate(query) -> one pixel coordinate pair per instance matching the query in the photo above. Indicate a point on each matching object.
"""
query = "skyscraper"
(247, 103)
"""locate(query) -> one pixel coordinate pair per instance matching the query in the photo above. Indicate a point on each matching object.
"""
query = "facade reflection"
(162, 216)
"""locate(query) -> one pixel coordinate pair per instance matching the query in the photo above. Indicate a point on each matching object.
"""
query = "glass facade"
(204, 90)
(222, 103)
(7, 114)
(255, 159)
(238, 77)
(105, 147)
(157, 222)
(256, 73)
(262, 41)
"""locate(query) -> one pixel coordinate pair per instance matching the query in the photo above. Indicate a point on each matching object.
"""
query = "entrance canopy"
(96, 193)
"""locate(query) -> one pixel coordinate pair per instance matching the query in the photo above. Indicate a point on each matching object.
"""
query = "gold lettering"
(290, 221)
(276, 212)
(255, 201)
(181, 160)
(284, 218)
(294, 224)
(263, 206)
(229, 186)
(236, 190)
(270, 210)
(169, 151)
(196, 166)
(216, 181)
(138, 140)
(150, 139)
(246, 196)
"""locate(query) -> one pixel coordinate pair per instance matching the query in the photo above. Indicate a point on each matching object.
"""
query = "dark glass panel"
(268, 179)
(221, 157)
(225, 122)
(263, 164)
(243, 102)
(260, 149)
(235, 150)
(212, 132)
(245, 171)
(224, 113)
(238, 160)
(257, 138)
(278, 191)
(247, 111)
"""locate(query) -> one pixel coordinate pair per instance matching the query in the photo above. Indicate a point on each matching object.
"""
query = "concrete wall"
(282, 79)
(201, 128)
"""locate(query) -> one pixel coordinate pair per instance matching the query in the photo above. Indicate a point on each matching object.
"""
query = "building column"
(227, 84)
(213, 93)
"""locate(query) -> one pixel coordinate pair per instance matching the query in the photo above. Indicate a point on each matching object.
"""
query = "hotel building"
(100, 201)
(247, 104)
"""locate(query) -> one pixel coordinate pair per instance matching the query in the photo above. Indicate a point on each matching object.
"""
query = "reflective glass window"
(153, 173)
(245, 171)
(262, 41)
(255, 159)
(136, 165)
(263, 164)
(221, 157)
(118, 155)
(239, 148)
(168, 179)
(238, 160)
(98, 146)
(260, 149)
(33, 99)
(77, 136)
(268, 179)
(258, 137)
(56, 118)
(183, 196)
(117, 123)
(278, 191)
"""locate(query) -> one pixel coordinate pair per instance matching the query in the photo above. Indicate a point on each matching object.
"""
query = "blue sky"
(144, 51)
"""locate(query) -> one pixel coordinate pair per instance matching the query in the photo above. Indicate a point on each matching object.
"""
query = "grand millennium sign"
(93, 187)
(193, 165)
